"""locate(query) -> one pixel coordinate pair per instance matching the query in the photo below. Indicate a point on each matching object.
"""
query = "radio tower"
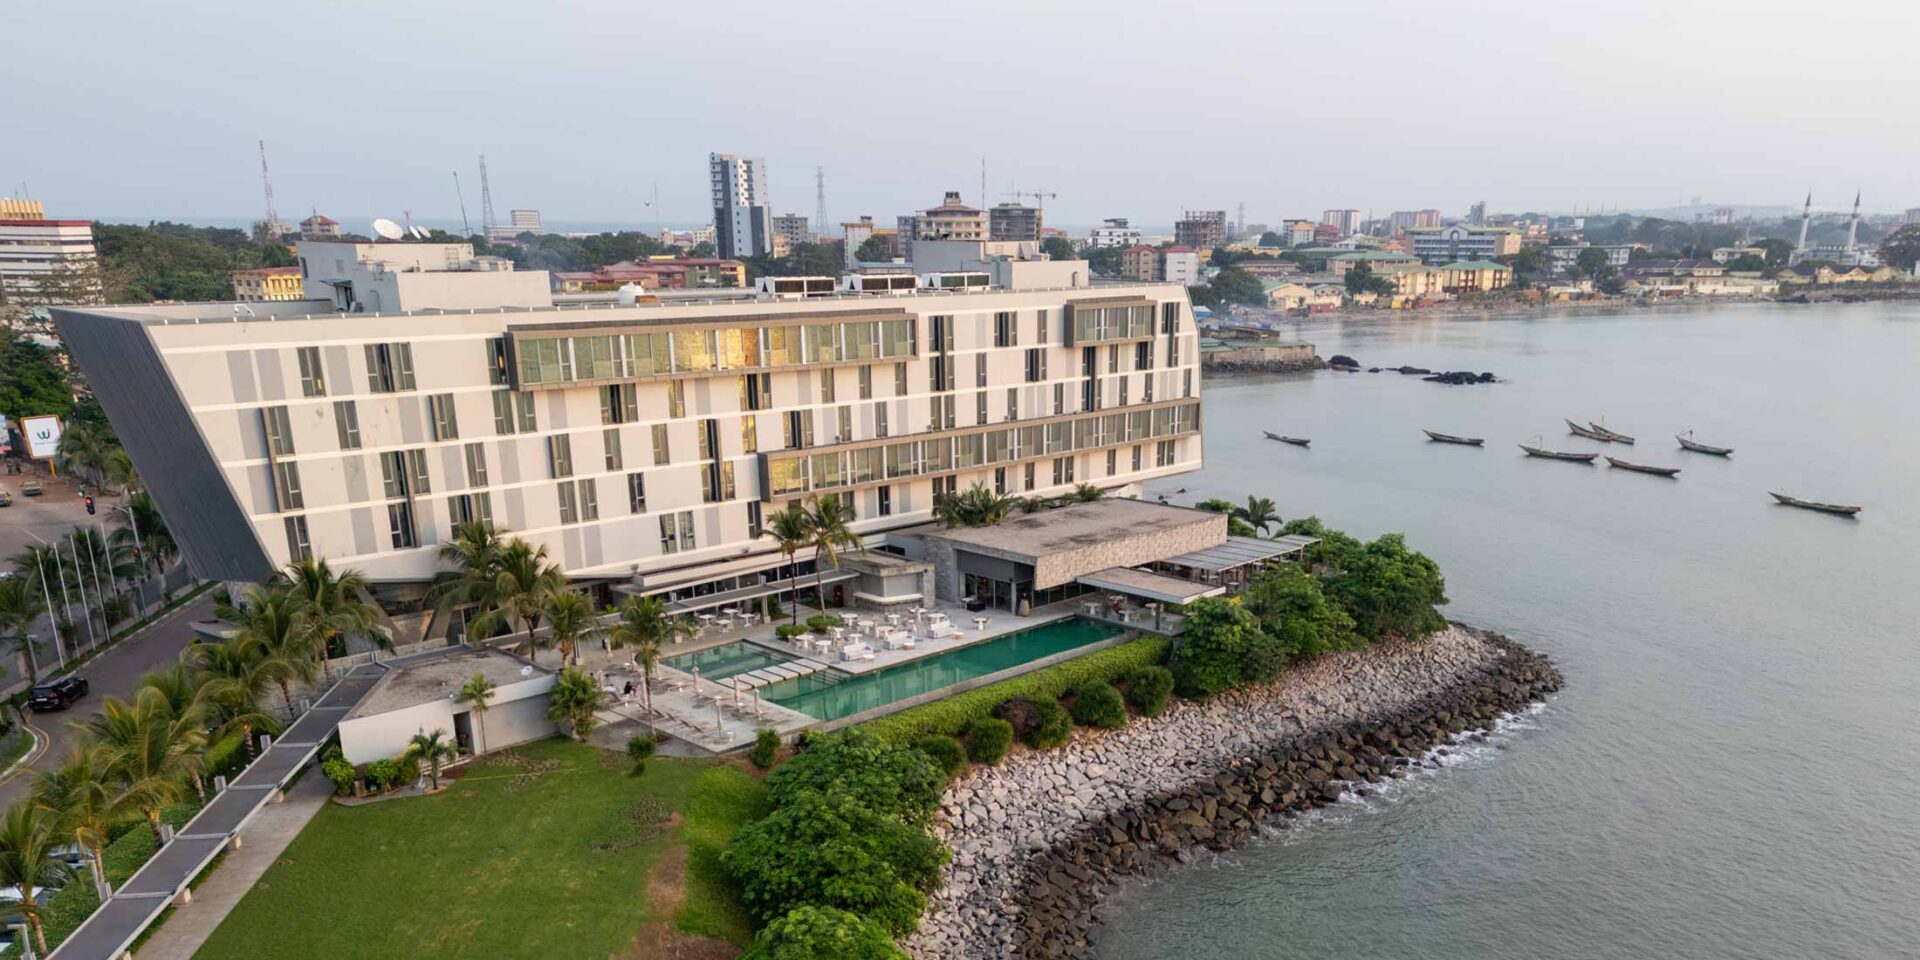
(820, 201)
(486, 202)
(272, 230)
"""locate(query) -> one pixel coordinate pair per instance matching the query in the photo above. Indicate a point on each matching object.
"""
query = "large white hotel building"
(644, 445)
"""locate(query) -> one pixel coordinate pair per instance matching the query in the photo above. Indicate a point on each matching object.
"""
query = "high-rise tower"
(741, 221)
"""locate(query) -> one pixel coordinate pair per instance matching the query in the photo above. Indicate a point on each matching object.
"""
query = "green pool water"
(726, 660)
(834, 695)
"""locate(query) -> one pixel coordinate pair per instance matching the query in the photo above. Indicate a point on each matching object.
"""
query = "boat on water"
(1612, 436)
(1835, 508)
(1643, 468)
(1296, 441)
(1558, 455)
(1450, 438)
(1580, 431)
(1688, 443)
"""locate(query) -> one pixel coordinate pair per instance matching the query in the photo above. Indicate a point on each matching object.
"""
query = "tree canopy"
(32, 381)
(1059, 248)
(1902, 249)
(873, 249)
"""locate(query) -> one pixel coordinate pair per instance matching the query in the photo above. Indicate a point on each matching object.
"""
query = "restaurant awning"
(1240, 552)
(1150, 586)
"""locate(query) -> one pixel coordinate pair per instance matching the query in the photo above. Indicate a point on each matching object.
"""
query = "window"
(660, 452)
(1062, 470)
(1059, 399)
(497, 361)
(750, 434)
(476, 465)
(717, 482)
(826, 386)
(313, 383)
(676, 532)
(559, 456)
(1013, 403)
(866, 382)
(1146, 388)
(286, 487)
(1169, 317)
(1123, 390)
(471, 508)
(610, 438)
(880, 420)
(446, 426)
(756, 391)
(1186, 383)
(900, 379)
(1036, 364)
(569, 502)
(279, 431)
(637, 492)
(798, 431)
(1006, 329)
(1028, 475)
(1173, 351)
(979, 369)
(389, 367)
(1040, 328)
(1136, 457)
(1113, 358)
(844, 424)
(513, 413)
(677, 398)
(346, 421)
(589, 497)
(756, 524)
(1163, 453)
(619, 404)
(709, 438)
(298, 546)
(1113, 462)
(1000, 480)
(886, 502)
(404, 473)
(400, 525)
(980, 408)
(1143, 355)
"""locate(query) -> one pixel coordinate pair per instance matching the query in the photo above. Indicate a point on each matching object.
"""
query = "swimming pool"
(834, 695)
(726, 659)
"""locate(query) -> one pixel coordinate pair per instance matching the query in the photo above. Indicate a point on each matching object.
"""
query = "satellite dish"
(387, 229)
(419, 233)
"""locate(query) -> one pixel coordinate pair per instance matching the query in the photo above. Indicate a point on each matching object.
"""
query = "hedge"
(950, 716)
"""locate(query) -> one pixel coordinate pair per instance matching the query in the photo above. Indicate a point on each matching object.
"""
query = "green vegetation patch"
(952, 715)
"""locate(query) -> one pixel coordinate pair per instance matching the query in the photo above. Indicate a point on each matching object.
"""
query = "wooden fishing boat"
(1296, 441)
(1610, 435)
(1450, 438)
(1580, 431)
(1836, 508)
(1558, 455)
(1643, 468)
(1688, 443)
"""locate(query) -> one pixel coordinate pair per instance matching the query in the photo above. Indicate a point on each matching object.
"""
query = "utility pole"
(819, 202)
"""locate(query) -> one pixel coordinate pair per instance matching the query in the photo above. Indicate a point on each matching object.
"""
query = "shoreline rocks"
(1040, 840)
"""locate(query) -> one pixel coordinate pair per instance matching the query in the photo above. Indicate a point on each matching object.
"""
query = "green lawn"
(546, 853)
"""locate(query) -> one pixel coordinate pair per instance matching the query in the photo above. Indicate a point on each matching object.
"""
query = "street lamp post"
(80, 583)
(53, 622)
(140, 554)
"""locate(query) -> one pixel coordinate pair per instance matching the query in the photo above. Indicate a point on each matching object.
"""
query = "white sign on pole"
(43, 436)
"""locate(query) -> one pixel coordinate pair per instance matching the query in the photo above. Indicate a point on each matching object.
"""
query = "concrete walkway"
(180, 936)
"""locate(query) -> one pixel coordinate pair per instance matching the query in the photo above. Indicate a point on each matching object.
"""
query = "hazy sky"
(133, 109)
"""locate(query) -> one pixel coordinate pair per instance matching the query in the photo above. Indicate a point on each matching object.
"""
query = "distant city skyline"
(581, 111)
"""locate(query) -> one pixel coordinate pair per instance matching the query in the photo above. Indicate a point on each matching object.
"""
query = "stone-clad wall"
(1038, 840)
(1122, 550)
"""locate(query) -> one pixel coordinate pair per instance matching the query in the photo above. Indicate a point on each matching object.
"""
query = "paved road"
(113, 672)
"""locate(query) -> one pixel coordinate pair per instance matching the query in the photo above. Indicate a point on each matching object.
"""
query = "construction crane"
(272, 228)
(1040, 197)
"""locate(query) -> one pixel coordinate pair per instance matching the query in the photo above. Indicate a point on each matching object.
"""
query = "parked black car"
(58, 694)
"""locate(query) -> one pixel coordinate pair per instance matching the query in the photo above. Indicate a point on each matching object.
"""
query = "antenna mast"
(819, 202)
(266, 182)
(466, 228)
(486, 201)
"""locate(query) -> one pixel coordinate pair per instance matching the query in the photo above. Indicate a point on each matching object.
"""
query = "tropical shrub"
(383, 775)
(787, 631)
(406, 770)
(830, 849)
(957, 713)
(1148, 690)
(1098, 704)
(1054, 728)
(988, 739)
(822, 622)
(226, 757)
(945, 751)
(574, 700)
(1209, 656)
(1265, 659)
(1390, 590)
(1021, 714)
(639, 751)
(340, 773)
(890, 779)
(766, 744)
(1294, 608)
(823, 933)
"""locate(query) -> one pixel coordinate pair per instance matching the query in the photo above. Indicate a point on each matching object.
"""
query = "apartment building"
(1403, 220)
(1114, 232)
(741, 220)
(268, 283)
(1344, 222)
(1201, 229)
(319, 227)
(951, 220)
(1180, 265)
(1013, 222)
(1140, 262)
(793, 229)
(45, 261)
(643, 446)
(1437, 246)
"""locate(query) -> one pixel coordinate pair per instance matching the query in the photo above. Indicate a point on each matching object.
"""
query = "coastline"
(1041, 839)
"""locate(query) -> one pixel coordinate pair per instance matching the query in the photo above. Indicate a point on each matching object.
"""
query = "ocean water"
(1730, 770)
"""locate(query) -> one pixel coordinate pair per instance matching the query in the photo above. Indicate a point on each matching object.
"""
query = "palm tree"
(232, 676)
(187, 704)
(432, 748)
(474, 553)
(273, 623)
(19, 608)
(120, 470)
(143, 746)
(1258, 514)
(1087, 493)
(474, 694)
(143, 538)
(644, 625)
(791, 528)
(337, 604)
(571, 618)
(85, 448)
(86, 804)
(977, 507)
(575, 699)
(27, 838)
(517, 595)
(828, 519)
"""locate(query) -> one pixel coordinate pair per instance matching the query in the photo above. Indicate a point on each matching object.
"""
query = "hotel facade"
(644, 446)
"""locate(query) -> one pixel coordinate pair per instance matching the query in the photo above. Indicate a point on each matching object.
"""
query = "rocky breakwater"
(1039, 840)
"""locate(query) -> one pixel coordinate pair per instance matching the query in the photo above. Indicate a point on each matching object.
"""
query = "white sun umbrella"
(696, 682)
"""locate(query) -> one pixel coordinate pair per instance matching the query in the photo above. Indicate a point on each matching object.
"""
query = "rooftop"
(1073, 527)
(415, 681)
(1474, 265)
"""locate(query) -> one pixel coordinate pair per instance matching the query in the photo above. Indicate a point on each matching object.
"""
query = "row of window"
(553, 360)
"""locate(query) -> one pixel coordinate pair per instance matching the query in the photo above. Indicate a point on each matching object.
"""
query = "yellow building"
(1474, 276)
(269, 283)
(12, 209)
(1829, 274)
